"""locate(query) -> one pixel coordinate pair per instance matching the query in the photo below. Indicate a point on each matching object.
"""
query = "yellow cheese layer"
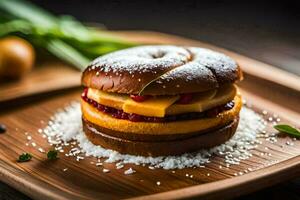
(164, 105)
(204, 101)
(114, 100)
(151, 107)
(187, 126)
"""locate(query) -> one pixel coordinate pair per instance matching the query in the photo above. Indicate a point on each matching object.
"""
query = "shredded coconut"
(66, 125)
(129, 171)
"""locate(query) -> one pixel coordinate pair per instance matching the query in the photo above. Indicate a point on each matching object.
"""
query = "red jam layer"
(119, 114)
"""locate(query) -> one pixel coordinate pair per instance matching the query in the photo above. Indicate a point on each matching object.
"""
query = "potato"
(16, 57)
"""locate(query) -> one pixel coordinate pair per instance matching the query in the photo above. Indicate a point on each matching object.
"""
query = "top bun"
(161, 70)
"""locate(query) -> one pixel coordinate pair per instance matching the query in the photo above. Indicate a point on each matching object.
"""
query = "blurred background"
(269, 32)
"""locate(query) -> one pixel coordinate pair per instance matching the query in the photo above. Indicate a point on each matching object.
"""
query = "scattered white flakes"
(65, 169)
(208, 174)
(40, 130)
(151, 167)
(220, 167)
(29, 137)
(78, 158)
(33, 144)
(129, 171)
(270, 119)
(66, 125)
(191, 176)
(105, 170)
(27, 144)
(40, 149)
(264, 112)
(119, 166)
(158, 183)
(235, 174)
(99, 164)
(173, 172)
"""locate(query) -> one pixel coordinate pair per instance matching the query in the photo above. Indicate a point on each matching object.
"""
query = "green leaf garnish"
(284, 128)
(52, 155)
(24, 157)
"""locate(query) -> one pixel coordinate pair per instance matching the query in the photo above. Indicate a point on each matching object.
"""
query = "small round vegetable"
(16, 57)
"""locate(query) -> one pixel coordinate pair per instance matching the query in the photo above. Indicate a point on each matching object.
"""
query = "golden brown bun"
(161, 70)
(160, 148)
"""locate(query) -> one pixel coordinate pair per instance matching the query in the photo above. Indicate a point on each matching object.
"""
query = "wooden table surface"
(290, 189)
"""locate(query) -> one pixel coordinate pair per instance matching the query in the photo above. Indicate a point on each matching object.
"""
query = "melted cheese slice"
(155, 106)
(114, 100)
(204, 101)
(163, 105)
(178, 127)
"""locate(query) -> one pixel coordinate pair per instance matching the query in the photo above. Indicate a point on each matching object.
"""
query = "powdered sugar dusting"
(205, 65)
(163, 64)
(142, 59)
(66, 125)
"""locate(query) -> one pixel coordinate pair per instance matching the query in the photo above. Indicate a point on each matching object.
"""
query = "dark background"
(269, 32)
(266, 31)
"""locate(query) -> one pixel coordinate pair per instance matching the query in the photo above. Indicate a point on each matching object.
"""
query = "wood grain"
(46, 77)
(41, 179)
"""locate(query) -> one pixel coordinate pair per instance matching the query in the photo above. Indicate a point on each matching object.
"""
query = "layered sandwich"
(161, 100)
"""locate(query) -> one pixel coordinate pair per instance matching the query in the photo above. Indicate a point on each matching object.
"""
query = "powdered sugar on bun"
(161, 70)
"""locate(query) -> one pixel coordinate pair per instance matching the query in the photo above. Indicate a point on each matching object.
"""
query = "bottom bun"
(161, 148)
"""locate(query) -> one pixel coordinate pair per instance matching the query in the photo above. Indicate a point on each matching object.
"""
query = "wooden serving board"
(264, 86)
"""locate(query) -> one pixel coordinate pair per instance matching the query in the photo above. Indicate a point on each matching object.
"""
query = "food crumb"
(106, 170)
(40, 149)
(129, 171)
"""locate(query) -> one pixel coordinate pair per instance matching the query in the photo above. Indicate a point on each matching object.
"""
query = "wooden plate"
(265, 87)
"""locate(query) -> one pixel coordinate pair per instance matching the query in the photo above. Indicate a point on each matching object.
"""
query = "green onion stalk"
(63, 36)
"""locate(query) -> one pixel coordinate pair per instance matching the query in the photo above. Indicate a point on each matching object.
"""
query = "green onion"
(62, 36)
(67, 53)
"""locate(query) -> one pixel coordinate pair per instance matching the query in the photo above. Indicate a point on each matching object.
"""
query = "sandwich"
(161, 100)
